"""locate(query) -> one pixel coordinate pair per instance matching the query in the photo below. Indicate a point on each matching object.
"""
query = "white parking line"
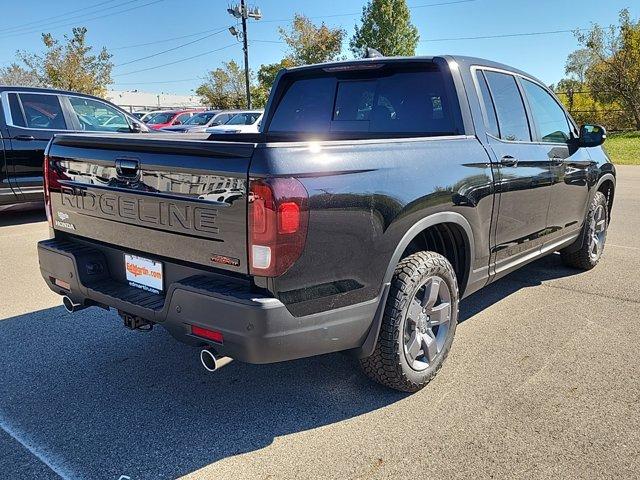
(34, 451)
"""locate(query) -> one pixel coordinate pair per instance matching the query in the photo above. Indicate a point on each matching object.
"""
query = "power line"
(504, 35)
(164, 40)
(87, 19)
(43, 20)
(478, 37)
(160, 82)
(172, 49)
(176, 61)
(351, 14)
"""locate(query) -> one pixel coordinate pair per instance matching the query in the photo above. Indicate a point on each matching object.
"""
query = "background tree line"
(601, 84)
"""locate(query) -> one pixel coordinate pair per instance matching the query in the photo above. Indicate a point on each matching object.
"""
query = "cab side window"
(37, 111)
(547, 114)
(512, 116)
(96, 116)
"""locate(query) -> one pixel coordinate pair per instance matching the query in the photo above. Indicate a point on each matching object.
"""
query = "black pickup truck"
(29, 118)
(378, 193)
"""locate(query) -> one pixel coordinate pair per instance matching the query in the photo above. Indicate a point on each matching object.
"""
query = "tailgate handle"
(127, 168)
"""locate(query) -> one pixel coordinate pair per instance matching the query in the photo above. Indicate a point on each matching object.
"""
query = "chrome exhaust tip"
(212, 362)
(71, 306)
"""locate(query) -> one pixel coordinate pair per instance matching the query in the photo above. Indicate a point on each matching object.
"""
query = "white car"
(241, 122)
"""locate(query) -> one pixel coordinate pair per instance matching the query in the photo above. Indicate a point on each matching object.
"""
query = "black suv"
(29, 118)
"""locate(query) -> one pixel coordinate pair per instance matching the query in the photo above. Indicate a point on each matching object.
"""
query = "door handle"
(509, 161)
(25, 138)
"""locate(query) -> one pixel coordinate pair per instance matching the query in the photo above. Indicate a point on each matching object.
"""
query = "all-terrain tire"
(584, 257)
(388, 365)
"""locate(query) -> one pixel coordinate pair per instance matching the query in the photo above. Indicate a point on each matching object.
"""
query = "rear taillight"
(47, 195)
(51, 184)
(278, 220)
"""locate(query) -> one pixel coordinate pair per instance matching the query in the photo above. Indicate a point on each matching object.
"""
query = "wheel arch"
(434, 220)
(607, 185)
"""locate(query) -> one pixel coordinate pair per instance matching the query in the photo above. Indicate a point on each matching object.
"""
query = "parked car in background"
(169, 118)
(142, 115)
(242, 122)
(29, 117)
(201, 121)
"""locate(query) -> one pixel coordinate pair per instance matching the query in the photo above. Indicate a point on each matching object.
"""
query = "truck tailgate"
(156, 195)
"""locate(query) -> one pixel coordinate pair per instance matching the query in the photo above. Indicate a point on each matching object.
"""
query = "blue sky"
(124, 26)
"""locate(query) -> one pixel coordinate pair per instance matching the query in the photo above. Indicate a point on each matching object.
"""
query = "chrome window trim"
(475, 68)
(4, 98)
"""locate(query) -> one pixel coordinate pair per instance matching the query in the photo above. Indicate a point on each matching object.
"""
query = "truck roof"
(461, 60)
(13, 88)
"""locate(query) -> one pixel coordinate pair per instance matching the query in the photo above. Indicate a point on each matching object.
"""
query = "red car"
(168, 118)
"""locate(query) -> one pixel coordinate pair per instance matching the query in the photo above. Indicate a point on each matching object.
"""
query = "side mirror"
(177, 122)
(136, 127)
(592, 135)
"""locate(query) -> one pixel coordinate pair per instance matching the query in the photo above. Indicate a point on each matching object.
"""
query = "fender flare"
(437, 218)
(577, 245)
(430, 221)
(602, 179)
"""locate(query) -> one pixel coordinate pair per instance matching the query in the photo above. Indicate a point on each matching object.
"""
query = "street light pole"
(245, 47)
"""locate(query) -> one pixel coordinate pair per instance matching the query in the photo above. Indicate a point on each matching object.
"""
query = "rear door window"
(409, 102)
(512, 116)
(492, 119)
(39, 111)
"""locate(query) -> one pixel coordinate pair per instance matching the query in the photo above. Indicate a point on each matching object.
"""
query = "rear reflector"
(61, 283)
(212, 335)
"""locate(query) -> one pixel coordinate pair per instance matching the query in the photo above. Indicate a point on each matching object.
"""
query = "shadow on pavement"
(33, 215)
(99, 401)
(546, 268)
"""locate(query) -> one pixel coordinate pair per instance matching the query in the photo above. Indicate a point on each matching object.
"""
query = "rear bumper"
(256, 329)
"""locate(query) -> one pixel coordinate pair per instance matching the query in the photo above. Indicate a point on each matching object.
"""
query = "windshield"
(161, 118)
(244, 118)
(200, 119)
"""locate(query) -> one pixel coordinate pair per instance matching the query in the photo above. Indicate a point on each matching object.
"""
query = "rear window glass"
(405, 102)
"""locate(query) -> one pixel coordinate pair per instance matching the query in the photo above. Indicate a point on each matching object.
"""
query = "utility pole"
(241, 11)
(245, 47)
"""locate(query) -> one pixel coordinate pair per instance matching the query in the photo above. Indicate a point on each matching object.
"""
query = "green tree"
(386, 26)
(224, 87)
(266, 76)
(68, 65)
(14, 74)
(578, 63)
(614, 76)
(309, 43)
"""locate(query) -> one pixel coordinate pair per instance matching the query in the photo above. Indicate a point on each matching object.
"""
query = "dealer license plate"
(144, 273)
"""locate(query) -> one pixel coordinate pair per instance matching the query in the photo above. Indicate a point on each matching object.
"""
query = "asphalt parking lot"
(543, 382)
